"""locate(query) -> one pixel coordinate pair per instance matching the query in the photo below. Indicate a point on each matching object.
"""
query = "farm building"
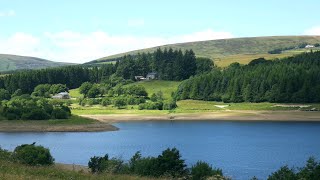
(152, 75)
(139, 78)
(62, 95)
(309, 46)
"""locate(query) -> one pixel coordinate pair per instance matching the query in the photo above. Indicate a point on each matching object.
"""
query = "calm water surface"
(241, 149)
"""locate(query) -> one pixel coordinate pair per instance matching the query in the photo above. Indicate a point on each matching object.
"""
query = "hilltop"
(227, 51)
(14, 62)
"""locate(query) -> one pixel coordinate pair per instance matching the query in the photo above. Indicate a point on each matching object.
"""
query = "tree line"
(168, 63)
(291, 79)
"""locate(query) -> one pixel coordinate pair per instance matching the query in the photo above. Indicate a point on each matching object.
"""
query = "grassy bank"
(166, 87)
(192, 106)
(14, 171)
(73, 124)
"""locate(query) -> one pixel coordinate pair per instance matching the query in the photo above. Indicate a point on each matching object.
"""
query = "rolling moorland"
(227, 51)
(14, 62)
(111, 88)
(110, 93)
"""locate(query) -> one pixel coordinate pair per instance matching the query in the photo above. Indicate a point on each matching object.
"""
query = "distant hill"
(14, 62)
(227, 51)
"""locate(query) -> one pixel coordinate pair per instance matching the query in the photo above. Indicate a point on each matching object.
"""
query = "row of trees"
(71, 76)
(168, 164)
(27, 107)
(292, 79)
(170, 65)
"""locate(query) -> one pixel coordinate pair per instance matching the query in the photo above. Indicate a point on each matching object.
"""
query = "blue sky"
(80, 31)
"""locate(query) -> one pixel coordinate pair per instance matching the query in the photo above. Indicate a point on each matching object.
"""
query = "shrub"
(5, 155)
(59, 113)
(136, 90)
(93, 92)
(31, 154)
(104, 164)
(131, 100)
(283, 173)
(18, 92)
(97, 164)
(169, 105)
(106, 102)
(170, 163)
(4, 95)
(42, 90)
(202, 170)
(57, 88)
(89, 101)
(153, 97)
(85, 87)
(36, 114)
(120, 102)
(151, 105)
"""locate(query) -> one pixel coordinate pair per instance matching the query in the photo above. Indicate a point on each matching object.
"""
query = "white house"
(309, 46)
(62, 95)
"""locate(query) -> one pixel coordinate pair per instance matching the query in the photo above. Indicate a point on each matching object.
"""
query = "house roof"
(63, 93)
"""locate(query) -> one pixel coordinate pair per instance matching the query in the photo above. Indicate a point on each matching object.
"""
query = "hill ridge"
(243, 48)
(11, 62)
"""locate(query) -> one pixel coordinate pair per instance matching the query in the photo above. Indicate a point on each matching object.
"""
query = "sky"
(79, 31)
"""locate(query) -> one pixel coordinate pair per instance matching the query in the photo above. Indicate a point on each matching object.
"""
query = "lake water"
(241, 149)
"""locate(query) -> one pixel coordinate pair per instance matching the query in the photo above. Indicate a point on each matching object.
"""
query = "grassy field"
(185, 106)
(100, 110)
(14, 171)
(189, 106)
(240, 50)
(166, 87)
(74, 93)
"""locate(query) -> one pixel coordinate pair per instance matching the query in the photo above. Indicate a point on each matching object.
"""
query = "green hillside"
(166, 87)
(242, 50)
(13, 62)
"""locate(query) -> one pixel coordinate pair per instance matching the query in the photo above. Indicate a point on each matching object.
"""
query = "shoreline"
(104, 122)
(230, 115)
(28, 127)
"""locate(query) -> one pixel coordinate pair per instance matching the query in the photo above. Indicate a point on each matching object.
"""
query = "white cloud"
(21, 44)
(70, 46)
(7, 13)
(313, 31)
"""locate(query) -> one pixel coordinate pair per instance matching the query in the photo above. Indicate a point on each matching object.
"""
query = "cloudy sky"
(82, 30)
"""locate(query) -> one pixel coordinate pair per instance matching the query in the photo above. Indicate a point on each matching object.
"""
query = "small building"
(309, 46)
(152, 76)
(62, 95)
(139, 78)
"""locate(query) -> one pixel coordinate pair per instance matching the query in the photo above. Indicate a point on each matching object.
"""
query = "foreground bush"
(31, 154)
(5, 155)
(168, 164)
(27, 107)
(202, 170)
(311, 171)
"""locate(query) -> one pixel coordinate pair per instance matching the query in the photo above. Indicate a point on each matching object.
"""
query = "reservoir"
(241, 149)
